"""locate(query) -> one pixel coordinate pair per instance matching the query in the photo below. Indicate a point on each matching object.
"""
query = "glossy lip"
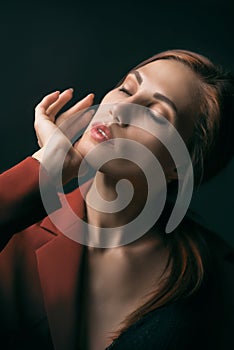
(101, 132)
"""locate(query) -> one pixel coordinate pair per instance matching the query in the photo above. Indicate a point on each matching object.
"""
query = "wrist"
(55, 158)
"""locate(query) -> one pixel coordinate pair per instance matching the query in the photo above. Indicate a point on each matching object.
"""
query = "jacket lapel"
(59, 265)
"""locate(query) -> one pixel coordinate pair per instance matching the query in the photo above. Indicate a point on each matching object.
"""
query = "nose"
(120, 113)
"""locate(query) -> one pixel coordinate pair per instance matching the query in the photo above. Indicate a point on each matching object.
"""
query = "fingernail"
(71, 89)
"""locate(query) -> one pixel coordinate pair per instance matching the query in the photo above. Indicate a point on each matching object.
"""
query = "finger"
(46, 102)
(81, 105)
(64, 97)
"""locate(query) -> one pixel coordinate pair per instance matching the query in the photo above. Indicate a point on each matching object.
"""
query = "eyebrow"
(156, 95)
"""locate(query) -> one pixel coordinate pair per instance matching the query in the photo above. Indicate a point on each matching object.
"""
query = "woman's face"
(167, 88)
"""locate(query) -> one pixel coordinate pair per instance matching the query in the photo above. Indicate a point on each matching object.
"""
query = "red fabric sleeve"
(20, 199)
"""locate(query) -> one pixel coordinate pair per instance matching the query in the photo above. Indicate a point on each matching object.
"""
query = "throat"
(111, 203)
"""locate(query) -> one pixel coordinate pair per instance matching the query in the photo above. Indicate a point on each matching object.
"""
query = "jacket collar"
(76, 205)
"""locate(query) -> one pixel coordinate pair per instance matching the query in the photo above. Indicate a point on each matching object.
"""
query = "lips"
(100, 132)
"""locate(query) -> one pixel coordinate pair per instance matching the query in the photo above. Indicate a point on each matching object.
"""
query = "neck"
(111, 207)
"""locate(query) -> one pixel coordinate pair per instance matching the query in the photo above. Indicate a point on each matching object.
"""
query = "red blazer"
(40, 267)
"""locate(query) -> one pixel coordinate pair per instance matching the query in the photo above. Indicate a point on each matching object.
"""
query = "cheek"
(164, 157)
(153, 144)
(160, 152)
(185, 128)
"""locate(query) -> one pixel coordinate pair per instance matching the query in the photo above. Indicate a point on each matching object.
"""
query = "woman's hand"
(54, 136)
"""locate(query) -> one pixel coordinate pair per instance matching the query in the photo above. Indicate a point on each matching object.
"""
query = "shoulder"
(219, 302)
(28, 240)
(178, 325)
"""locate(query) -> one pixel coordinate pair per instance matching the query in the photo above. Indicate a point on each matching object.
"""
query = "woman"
(157, 292)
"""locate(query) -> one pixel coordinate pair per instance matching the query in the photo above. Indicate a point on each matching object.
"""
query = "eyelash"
(152, 114)
(122, 89)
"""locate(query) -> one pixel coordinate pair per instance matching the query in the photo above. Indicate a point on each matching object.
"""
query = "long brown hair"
(210, 148)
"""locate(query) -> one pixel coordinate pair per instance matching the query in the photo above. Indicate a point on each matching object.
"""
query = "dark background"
(47, 46)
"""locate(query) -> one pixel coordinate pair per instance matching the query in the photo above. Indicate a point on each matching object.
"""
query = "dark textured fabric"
(172, 327)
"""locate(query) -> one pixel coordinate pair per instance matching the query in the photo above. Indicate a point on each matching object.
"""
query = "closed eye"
(124, 90)
(153, 115)
(156, 117)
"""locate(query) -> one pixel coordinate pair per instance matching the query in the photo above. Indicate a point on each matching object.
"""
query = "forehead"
(175, 80)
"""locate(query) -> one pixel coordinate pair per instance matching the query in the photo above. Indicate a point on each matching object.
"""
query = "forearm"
(20, 199)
